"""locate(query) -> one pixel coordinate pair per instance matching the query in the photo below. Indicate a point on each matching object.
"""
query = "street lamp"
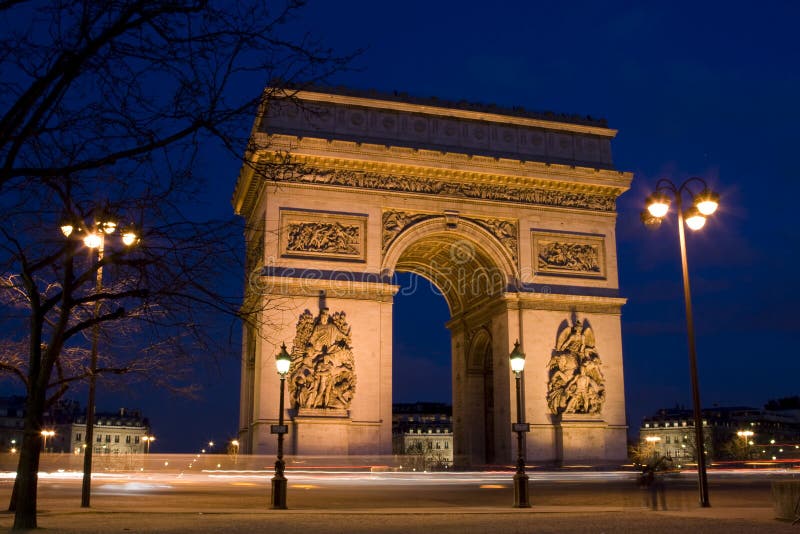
(148, 440)
(652, 442)
(94, 239)
(521, 500)
(47, 434)
(282, 361)
(234, 448)
(704, 204)
(746, 435)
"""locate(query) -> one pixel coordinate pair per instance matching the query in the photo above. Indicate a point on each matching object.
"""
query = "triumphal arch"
(510, 214)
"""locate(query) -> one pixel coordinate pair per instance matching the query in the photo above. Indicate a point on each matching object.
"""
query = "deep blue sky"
(695, 89)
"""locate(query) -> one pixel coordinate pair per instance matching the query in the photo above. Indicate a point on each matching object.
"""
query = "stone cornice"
(448, 174)
(451, 112)
(446, 165)
(561, 302)
(348, 289)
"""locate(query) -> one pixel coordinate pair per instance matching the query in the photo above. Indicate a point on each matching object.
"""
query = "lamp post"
(148, 440)
(234, 448)
(47, 434)
(282, 361)
(652, 441)
(746, 435)
(521, 500)
(94, 239)
(704, 204)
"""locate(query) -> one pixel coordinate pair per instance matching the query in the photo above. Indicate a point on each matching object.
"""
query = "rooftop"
(515, 111)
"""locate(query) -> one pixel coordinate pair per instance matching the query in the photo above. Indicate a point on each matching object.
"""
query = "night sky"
(695, 89)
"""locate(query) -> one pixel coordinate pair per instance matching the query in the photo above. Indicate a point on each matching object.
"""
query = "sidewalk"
(539, 519)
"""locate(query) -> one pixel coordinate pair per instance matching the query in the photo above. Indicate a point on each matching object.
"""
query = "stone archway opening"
(421, 362)
(458, 266)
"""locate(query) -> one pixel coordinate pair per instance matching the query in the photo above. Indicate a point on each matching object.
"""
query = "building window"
(99, 438)
(78, 436)
(128, 439)
(116, 438)
(108, 438)
(136, 440)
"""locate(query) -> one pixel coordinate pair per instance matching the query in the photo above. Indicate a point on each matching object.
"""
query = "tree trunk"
(26, 484)
(12, 504)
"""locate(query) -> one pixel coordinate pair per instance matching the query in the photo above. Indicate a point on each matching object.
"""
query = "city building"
(730, 433)
(121, 432)
(423, 431)
(12, 410)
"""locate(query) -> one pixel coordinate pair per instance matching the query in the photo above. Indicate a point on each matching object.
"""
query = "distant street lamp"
(148, 440)
(282, 361)
(94, 238)
(521, 500)
(652, 441)
(746, 435)
(235, 450)
(704, 203)
(47, 434)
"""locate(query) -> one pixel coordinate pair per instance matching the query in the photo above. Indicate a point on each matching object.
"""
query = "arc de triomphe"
(510, 214)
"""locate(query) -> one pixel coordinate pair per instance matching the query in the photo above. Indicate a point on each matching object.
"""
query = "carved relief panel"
(324, 235)
(322, 374)
(575, 380)
(568, 254)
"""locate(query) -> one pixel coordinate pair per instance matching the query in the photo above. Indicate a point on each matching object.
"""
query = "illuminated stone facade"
(423, 434)
(511, 215)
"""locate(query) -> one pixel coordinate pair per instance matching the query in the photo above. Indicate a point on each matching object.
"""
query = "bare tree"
(108, 107)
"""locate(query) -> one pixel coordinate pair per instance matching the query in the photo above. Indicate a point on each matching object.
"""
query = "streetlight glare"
(694, 219)
(92, 240)
(658, 204)
(67, 229)
(707, 202)
(517, 359)
(108, 226)
(129, 237)
(283, 361)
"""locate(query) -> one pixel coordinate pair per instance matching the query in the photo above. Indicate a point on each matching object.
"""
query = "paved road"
(386, 503)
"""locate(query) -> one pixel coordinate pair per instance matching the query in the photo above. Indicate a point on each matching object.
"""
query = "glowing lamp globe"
(658, 204)
(707, 202)
(92, 240)
(517, 358)
(129, 237)
(694, 219)
(283, 361)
